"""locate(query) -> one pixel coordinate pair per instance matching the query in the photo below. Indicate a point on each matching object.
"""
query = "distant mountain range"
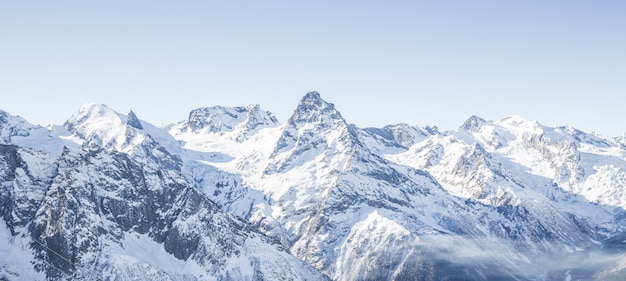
(231, 193)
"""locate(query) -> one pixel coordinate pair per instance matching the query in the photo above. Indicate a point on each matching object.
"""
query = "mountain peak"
(95, 115)
(518, 121)
(11, 126)
(221, 119)
(313, 109)
(472, 123)
(216, 118)
(257, 118)
(133, 121)
(314, 125)
(312, 100)
(94, 109)
(313, 95)
(8, 119)
(101, 125)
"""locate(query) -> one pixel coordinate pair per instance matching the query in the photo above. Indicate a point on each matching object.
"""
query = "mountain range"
(231, 193)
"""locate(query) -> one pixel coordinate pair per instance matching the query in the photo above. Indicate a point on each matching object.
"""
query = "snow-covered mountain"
(233, 194)
(115, 206)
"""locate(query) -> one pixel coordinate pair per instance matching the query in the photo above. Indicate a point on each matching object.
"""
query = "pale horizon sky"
(380, 62)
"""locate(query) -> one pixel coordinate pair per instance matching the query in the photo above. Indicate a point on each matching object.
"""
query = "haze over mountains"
(231, 193)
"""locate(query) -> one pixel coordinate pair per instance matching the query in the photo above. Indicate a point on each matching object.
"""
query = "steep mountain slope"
(118, 208)
(543, 180)
(330, 181)
(317, 181)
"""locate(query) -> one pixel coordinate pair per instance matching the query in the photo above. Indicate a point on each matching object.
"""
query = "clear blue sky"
(380, 62)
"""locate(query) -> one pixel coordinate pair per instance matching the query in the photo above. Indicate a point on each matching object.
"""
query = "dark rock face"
(22, 190)
(473, 123)
(133, 121)
(11, 126)
(96, 189)
(96, 197)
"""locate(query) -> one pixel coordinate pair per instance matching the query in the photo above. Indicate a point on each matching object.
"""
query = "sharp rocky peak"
(314, 125)
(133, 121)
(472, 123)
(315, 115)
(313, 109)
(97, 125)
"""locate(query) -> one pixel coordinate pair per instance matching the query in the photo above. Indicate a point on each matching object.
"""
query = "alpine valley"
(231, 193)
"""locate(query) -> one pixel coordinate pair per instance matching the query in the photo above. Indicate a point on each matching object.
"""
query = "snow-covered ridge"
(239, 122)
